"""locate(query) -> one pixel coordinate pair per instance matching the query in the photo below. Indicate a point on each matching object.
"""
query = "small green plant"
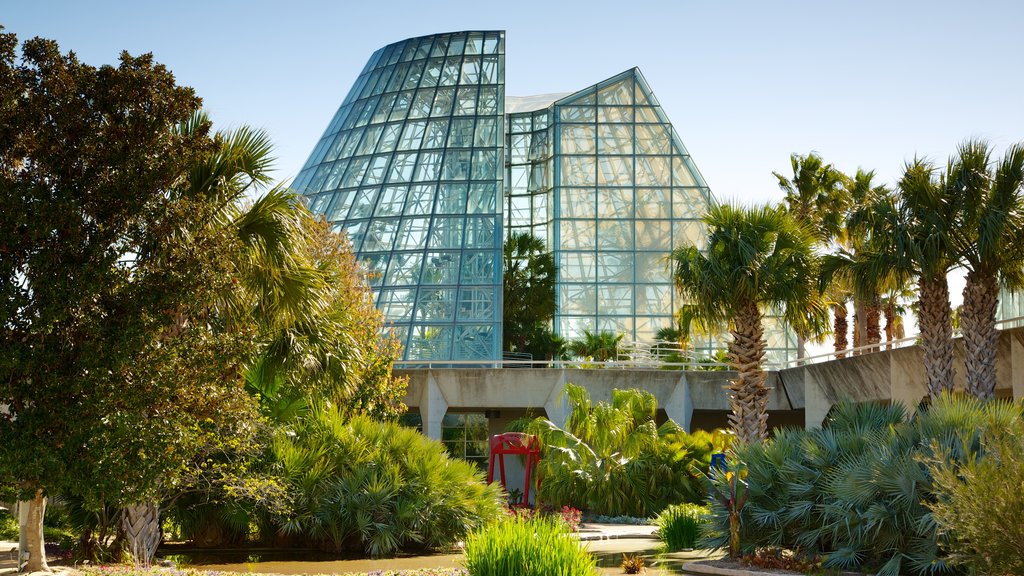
(633, 564)
(522, 545)
(679, 525)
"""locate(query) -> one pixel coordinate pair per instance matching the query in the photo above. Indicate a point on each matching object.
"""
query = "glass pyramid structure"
(427, 167)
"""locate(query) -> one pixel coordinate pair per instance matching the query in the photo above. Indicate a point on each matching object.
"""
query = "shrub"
(856, 490)
(379, 487)
(611, 459)
(980, 506)
(679, 525)
(527, 546)
(633, 564)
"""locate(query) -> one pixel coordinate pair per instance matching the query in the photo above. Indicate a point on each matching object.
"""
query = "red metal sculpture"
(515, 443)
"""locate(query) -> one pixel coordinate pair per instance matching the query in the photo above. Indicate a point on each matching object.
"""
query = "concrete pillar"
(816, 402)
(557, 405)
(1016, 366)
(22, 533)
(680, 405)
(433, 407)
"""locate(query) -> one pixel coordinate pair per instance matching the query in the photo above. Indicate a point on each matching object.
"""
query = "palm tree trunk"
(981, 339)
(141, 523)
(872, 317)
(748, 396)
(890, 322)
(841, 326)
(936, 333)
(34, 541)
(858, 324)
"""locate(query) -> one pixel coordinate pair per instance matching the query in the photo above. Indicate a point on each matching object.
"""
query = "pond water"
(295, 561)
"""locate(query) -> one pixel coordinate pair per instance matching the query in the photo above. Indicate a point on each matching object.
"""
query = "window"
(465, 436)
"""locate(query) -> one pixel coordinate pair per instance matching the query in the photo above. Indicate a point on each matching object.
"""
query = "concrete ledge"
(700, 567)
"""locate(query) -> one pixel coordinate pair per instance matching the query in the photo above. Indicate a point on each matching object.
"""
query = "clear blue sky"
(864, 83)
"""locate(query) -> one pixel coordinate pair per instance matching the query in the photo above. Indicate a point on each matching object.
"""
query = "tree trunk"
(872, 317)
(936, 333)
(748, 396)
(141, 523)
(841, 328)
(858, 325)
(981, 339)
(34, 541)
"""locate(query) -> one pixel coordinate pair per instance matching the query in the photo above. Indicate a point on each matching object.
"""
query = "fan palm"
(987, 237)
(756, 259)
(601, 346)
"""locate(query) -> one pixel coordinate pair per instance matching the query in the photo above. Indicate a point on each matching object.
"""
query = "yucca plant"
(379, 487)
(524, 545)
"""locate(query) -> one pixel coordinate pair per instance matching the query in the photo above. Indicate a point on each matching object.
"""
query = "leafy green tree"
(988, 237)
(529, 296)
(756, 259)
(110, 269)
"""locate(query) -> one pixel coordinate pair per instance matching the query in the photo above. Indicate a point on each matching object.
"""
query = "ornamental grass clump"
(679, 525)
(527, 546)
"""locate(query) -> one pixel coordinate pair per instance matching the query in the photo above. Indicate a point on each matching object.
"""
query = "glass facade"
(427, 173)
(410, 169)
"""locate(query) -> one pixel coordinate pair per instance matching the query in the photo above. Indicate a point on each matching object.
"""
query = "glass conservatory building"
(428, 166)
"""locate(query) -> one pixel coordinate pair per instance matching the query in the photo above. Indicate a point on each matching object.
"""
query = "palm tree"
(817, 196)
(987, 238)
(910, 238)
(601, 346)
(756, 259)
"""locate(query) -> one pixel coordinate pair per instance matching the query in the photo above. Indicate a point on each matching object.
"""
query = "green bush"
(612, 460)
(527, 546)
(378, 487)
(980, 505)
(856, 490)
(679, 525)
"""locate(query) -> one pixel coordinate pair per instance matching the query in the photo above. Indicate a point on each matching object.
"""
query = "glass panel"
(681, 174)
(653, 235)
(654, 299)
(443, 102)
(478, 268)
(653, 267)
(475, 343)
(688, 202)
(465, 102)
(436, 133)
(476, 303)
(485, 164)
(413, 233)
(404, 269)
(576, 113)
(380, 236)
(615, 267)
(620, 93)
(689, 233)
(451, 199)
(614, 139)
(420, 200)
(486, 132)
(652, 171)
(577, 299)
(429, 167)
(482, 198)
(456, 165)
(653, 203)
(573, 326)
(441, 268)
(652, 139)
(612, 299)
(389, 139)
(614, 203)
(615, 235)
(614, 114)
(435, 304)
(446, 233)
(577, 171)
(480, 232)
(391, 201)
(576, 266)
(422, 104)
(614, 170)
(364, 202)
(397, 304)
(402, 167)
(461, 133)
(646, 114)
(578, 234)
(430, 342)
(578, 139)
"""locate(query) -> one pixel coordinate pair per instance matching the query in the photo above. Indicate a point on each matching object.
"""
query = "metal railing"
(655, 356)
